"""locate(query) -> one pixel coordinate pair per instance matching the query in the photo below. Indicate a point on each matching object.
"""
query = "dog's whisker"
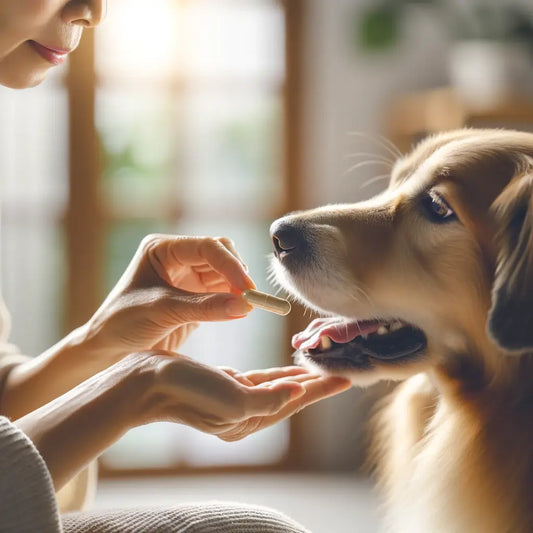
(393, 148)
(364, 164)
(361, 291)
(380, 140)
(374, 180)
(370, 154)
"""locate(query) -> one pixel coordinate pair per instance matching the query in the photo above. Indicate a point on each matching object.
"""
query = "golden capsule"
(267, 302)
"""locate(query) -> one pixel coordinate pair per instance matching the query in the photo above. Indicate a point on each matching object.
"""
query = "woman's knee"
(208, 517)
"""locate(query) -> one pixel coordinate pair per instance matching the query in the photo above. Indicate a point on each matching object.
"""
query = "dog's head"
(435, 271)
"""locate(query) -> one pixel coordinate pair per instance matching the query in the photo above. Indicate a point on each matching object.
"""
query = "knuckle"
(213, 245)
(149, 242)
(229, 370)
(208, 306)
(226, 241)
(190, 308)
(210, 242)
(228, 437)
(165, 298)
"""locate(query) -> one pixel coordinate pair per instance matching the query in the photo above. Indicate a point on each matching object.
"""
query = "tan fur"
(453, 444)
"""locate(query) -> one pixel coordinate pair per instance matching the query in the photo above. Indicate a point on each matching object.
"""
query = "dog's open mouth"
(339, 343)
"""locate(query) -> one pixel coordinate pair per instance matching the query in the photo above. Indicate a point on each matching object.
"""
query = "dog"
(430, 283)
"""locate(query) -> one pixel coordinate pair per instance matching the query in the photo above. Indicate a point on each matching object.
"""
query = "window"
(189, 117)
(188, 103)
(33, 201)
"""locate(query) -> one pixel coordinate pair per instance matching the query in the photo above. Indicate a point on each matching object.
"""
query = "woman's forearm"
(78, 426)
(38, 381)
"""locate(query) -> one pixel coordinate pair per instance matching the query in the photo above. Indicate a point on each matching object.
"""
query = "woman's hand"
(316, 388)
(171, 284)
(76, 427)
(225, 402)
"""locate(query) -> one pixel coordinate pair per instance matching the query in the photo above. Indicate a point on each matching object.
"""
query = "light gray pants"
(209, 517)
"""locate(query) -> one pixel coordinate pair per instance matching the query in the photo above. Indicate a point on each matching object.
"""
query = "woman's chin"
(18, 77)
(22, 82)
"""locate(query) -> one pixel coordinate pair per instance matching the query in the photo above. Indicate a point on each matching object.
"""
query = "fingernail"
(236, 307)
(249, 283)
(246, 283)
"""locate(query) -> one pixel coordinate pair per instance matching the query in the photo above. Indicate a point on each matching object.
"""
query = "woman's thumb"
(210, 307)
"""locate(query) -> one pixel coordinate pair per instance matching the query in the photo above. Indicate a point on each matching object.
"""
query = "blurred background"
(215, 117)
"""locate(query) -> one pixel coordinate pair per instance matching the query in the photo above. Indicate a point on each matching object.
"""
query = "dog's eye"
(437, 208)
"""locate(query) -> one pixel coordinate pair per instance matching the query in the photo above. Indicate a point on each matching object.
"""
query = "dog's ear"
(511, 316)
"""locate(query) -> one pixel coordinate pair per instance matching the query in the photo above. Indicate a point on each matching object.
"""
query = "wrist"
(89, 339)
(135, 389)
(41, 379)
(78, 426)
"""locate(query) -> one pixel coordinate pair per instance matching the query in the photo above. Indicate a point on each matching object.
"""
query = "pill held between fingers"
(267, 302)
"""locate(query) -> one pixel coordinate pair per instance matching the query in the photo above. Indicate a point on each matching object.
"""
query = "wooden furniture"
(414, 116)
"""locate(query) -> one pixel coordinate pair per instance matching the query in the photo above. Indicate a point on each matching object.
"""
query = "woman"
(120, 370)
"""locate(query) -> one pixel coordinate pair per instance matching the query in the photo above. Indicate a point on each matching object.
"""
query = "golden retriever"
(431, 282)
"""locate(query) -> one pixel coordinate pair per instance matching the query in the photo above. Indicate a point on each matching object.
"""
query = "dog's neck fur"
(448, 446)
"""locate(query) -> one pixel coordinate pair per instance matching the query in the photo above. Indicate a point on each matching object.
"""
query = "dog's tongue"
(337, 329)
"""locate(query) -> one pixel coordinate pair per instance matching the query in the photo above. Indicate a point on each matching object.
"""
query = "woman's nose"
(87, 13)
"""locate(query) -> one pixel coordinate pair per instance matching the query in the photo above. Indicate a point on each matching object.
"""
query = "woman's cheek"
(21, 20)
(38, 8)
(29, 14)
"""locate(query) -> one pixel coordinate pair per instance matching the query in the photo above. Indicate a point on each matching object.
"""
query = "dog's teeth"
(395, 326)
(382, 330)
(325, 343)
(365, 337)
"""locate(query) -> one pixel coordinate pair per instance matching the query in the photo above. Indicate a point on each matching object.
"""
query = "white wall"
(349, 89)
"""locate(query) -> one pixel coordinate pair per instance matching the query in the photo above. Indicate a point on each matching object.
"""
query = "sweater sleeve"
(80, 491)
(27, 499)
(9, 354)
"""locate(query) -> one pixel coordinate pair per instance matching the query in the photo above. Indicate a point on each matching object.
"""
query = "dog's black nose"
(286, 237)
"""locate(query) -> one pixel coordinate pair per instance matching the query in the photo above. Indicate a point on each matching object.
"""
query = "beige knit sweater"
(27, 499)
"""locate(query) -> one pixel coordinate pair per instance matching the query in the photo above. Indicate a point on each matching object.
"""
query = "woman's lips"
(56, 56)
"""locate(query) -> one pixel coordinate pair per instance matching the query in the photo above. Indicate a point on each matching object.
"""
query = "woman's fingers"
(205, 307)
(316, 389)
(170, 254)
(267, 399)
(236, 374)
(270, 376)
(217, 286)
(229, 244)
(322, 387)
(211, 279)
(261, 376)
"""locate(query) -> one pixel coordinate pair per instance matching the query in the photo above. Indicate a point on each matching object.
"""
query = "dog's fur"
(453, 444)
